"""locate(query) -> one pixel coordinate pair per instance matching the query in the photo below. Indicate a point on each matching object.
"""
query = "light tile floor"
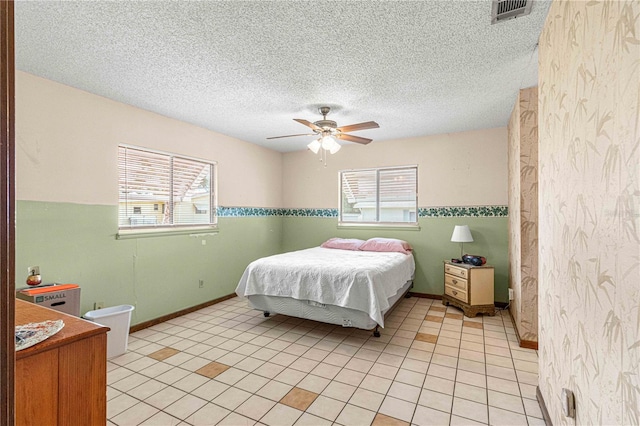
(226, 364)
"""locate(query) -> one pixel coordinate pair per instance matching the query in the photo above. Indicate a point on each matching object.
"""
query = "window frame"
(378, 222)
(171, 228)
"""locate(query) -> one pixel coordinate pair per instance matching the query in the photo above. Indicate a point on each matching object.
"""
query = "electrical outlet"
(568, 403)
(98, 305)
(510, 294)
(201, 283)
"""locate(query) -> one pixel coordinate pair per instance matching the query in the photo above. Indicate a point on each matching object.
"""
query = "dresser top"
(466, 265)
(74, 328)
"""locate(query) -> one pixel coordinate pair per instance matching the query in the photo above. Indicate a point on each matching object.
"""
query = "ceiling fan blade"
(308, 124)
(290, 136)
(359, 126)
(351, 138)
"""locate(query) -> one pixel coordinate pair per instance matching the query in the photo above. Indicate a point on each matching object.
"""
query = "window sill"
(381, 226)
(196, 231)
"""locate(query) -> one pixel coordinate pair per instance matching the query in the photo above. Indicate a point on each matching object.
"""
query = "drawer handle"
(455, 293)
(455, 281)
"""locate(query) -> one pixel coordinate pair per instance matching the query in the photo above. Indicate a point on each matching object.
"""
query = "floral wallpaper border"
(247, 211)
(469, 211)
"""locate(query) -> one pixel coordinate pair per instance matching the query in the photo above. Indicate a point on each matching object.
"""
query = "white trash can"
(118, 319)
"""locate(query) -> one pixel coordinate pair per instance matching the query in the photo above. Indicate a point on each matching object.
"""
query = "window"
(379, 196)
(158, 190)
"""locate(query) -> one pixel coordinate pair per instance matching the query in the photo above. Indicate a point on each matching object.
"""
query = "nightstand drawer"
(453, 270)
(453, 281)
(454, 292)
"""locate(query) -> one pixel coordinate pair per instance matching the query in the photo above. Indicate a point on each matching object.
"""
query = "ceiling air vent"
(502, 10)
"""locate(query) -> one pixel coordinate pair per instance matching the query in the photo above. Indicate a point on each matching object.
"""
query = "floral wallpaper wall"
(589, 218)
(523, 220)
(513, 154)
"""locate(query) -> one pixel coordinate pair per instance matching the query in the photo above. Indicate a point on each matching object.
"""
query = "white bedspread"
(360, 280)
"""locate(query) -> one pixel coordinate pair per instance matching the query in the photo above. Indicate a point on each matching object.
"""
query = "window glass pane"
(191, 192)
(144, 180)
(358, 196)
(397, 195)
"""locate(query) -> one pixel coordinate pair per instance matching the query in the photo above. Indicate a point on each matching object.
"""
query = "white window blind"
(164, 190)
(383, 195)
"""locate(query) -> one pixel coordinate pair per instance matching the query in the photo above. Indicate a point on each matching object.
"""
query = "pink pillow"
(386, 244)
(343, 243)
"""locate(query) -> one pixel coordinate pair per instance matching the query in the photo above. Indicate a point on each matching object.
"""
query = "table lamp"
(461, 234)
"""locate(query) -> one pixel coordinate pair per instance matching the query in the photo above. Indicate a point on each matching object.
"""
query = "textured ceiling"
(247, 68)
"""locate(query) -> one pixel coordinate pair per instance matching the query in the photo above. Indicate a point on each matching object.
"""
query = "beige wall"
(523, 213)
(455, 169)
(59, 125)
(66, 148)
(589, 222)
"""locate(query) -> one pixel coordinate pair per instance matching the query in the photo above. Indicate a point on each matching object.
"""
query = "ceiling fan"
(328, 131)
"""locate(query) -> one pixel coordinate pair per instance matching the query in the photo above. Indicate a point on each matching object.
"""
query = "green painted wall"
(75, 243)
(431, 244)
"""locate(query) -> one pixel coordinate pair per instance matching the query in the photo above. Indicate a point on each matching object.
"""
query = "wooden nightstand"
(469, 288)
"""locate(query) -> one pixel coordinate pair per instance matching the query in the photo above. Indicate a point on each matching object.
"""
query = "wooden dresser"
(469, 288)
(62, 380)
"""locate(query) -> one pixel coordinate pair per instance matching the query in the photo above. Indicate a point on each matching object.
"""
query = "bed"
(351, 288)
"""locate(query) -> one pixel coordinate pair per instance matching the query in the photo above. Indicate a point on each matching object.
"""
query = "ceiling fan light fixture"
(335, 148)
(327, 132)
(328, 142)
(315, 146)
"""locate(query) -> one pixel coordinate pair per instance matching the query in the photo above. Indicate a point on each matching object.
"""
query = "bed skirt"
(330, 314)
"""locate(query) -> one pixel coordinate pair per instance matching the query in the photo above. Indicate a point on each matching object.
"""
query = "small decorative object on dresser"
(469, 288)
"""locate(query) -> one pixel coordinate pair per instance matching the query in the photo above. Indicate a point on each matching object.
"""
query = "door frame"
(7, 215)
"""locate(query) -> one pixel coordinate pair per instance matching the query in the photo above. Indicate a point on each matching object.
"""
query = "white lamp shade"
(314, 146)
(461, 234)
